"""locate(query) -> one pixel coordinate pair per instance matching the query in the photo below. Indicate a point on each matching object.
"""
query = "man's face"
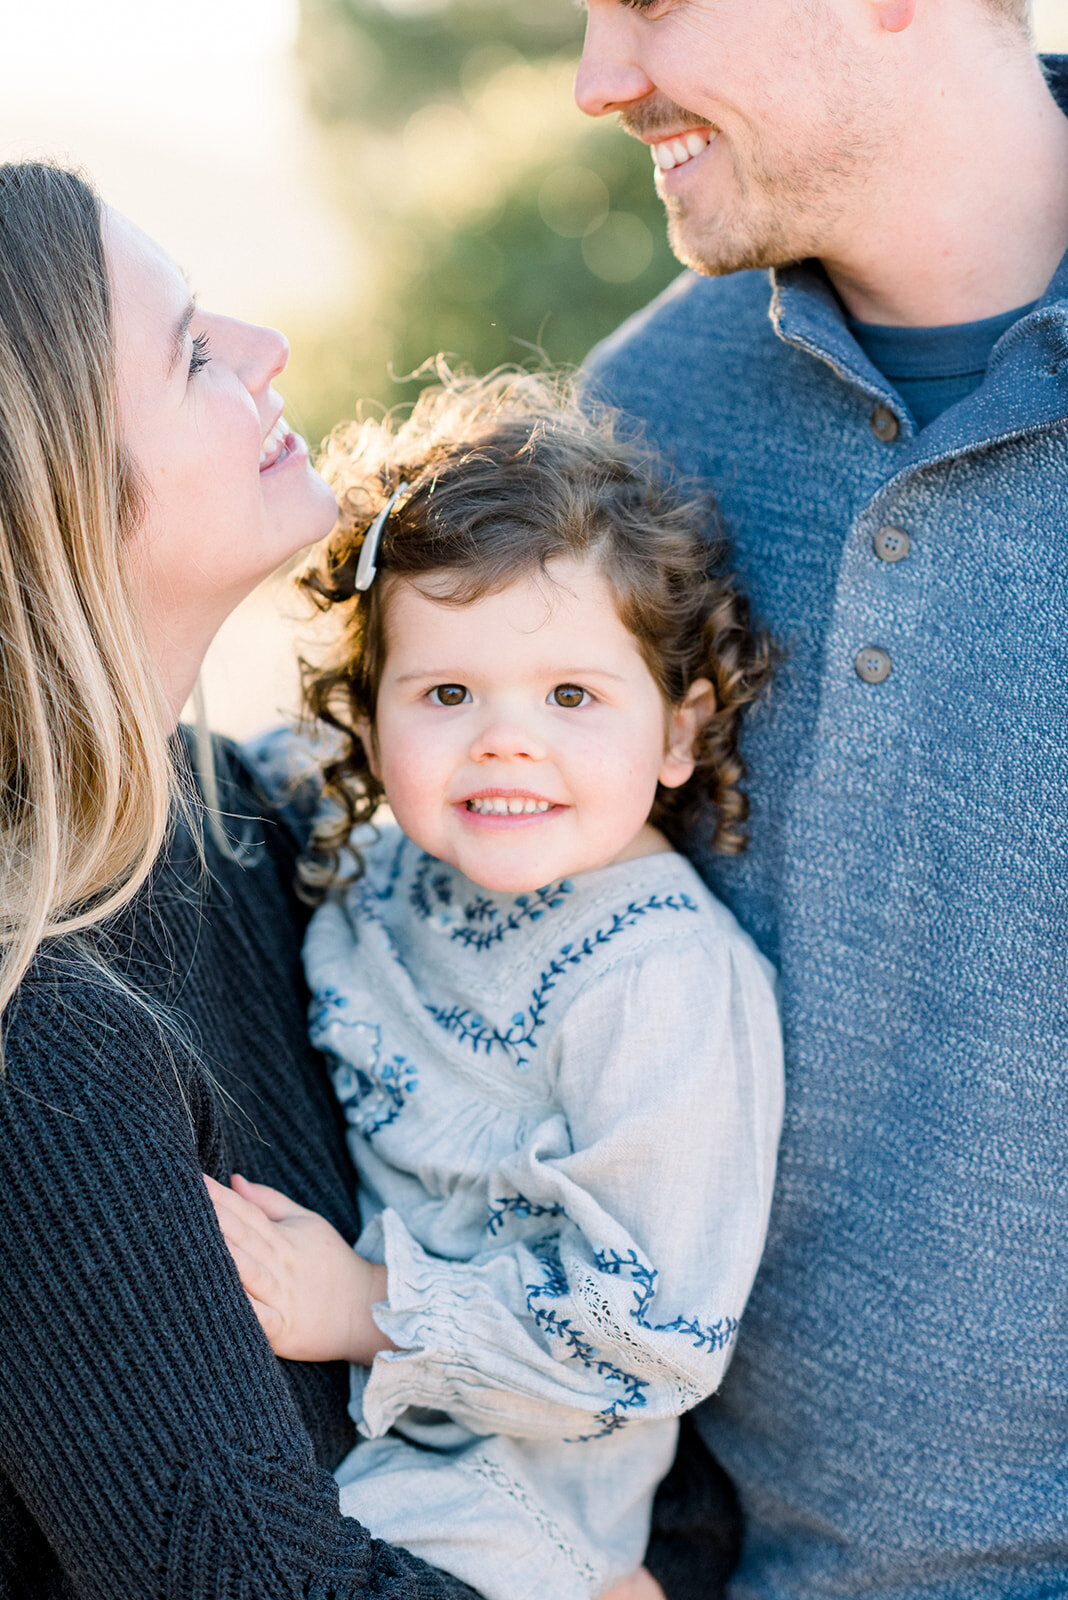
(765, 118)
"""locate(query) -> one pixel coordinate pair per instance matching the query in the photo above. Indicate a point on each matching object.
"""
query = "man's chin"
(716, 254)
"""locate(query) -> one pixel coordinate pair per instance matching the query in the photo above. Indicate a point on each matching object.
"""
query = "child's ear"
(365, 731)
(684, 723)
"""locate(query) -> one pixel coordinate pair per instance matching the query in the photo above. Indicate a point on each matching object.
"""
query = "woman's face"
(228, 491)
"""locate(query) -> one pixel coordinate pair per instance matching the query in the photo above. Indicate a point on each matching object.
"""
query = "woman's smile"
(228, 490)
(276, 445)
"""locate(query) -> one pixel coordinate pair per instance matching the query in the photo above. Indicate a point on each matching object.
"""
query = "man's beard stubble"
(779, 217)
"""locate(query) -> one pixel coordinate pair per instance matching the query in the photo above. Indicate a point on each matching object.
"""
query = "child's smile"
(505, 805)
(521, 737)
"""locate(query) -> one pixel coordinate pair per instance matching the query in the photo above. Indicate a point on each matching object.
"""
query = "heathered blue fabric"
(933, 368)
(896, 1416)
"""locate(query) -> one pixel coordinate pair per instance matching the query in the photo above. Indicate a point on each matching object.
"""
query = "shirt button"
(892, 544)
(884, 425)
(873, 665)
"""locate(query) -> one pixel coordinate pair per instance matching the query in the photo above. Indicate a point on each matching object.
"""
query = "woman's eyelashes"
(201, 354)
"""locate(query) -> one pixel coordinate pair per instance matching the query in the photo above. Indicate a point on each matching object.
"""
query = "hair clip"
(365, 567)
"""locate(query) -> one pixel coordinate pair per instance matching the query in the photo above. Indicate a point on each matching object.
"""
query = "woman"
(150, 1444)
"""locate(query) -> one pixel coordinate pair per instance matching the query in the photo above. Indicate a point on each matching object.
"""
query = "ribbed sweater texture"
(151, 1445)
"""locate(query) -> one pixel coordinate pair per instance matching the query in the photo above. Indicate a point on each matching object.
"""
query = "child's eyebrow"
(560, 676)
(438, 677)
(594, 672)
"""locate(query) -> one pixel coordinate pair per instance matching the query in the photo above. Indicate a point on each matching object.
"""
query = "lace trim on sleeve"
(589, 1292)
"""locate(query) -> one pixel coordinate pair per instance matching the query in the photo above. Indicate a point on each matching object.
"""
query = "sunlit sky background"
(188, 117)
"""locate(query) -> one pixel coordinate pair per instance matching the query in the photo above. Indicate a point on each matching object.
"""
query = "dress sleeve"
(145, 1426)
(624, 1236)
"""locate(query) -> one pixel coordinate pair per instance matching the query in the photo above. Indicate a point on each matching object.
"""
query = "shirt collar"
(806, 312)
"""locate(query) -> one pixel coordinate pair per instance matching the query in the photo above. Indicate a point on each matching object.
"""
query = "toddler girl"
(558, 1055)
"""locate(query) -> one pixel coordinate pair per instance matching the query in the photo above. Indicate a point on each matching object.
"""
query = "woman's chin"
(325, 506)
(307, 514)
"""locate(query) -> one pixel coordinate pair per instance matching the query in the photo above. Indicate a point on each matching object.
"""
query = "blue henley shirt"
(896, 1416)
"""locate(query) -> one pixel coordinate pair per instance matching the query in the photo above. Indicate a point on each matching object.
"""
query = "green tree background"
(494, 220)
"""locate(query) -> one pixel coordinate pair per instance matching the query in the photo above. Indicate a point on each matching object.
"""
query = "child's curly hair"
(508, 473)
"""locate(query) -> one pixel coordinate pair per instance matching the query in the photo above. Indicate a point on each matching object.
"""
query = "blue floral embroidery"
(363, 901)
(712, 1336)
(547, 1250)
(579, 1348)
(518, 1206)
(528, 908)
(324, 1007)
(372, 1093)
(395, 866)
(471, 1028)
(431, 887)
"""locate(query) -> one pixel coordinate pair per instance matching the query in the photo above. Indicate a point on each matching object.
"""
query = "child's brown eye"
(449, 694)
(568, 695)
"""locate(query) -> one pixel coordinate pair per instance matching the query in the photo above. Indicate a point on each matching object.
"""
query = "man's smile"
(676, 151)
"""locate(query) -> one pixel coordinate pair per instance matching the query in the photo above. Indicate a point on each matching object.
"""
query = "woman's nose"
(609, 76)
(257, 354)
(271, 352)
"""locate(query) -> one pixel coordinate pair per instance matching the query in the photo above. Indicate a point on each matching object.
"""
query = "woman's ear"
(684, 724)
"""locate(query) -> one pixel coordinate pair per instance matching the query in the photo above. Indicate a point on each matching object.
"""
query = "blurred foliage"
(492, 219)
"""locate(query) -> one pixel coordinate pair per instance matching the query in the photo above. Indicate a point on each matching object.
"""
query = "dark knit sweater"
(150, 1443)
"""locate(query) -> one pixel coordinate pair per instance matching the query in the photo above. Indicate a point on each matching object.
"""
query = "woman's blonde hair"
(86, 777)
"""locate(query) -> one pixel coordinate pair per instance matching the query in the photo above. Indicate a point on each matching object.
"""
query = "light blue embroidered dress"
(563, 1107)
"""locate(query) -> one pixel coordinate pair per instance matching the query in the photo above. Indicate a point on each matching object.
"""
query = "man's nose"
(610, 76)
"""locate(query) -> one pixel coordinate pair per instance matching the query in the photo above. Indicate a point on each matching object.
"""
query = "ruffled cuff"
(423, 1317)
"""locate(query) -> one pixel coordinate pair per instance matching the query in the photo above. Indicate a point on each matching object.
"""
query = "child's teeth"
(501, 806)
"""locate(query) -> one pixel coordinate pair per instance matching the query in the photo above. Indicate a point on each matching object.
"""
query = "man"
(884, 417)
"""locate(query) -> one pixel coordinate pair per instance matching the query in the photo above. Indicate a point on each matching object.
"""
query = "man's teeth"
(498, 805)
(673, 152)
(274, 441)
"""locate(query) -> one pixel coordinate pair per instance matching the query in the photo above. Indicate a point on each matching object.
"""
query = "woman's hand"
(641, 1585)
(312, 1294)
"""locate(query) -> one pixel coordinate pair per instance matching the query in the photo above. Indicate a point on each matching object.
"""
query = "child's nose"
(507, 739)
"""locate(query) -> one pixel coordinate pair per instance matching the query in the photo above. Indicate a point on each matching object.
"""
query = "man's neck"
(971, 219)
